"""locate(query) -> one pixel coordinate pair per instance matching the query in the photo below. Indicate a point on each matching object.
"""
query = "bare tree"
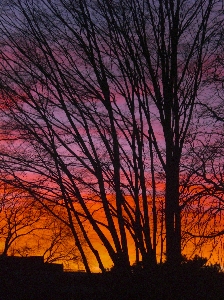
(202, 191)
(57, 244)
(97, 98)
(54, 241)
(27, 228)
(18, 218)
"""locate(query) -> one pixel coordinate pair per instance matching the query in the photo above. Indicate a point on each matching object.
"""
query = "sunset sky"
(112, 127)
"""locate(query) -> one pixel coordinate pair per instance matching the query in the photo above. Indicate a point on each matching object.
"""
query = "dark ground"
(189, 283)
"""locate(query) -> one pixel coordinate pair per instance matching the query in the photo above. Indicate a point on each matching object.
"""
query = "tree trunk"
(172, 213)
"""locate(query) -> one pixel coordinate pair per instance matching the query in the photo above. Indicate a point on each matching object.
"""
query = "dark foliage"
(193, 280)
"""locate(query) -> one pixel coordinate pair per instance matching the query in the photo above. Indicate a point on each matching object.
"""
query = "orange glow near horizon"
(32, 245)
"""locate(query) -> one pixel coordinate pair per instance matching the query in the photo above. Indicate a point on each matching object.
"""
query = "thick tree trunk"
(172, 214)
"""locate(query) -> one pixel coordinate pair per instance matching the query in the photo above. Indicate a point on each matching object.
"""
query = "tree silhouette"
(18, 218)
(27, 228)
(97, 100)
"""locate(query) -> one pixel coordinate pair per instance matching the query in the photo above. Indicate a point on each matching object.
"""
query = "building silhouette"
(29, 264)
